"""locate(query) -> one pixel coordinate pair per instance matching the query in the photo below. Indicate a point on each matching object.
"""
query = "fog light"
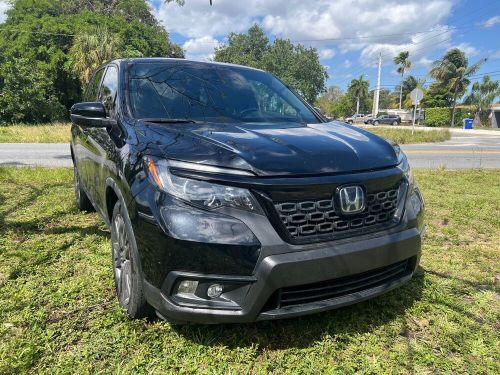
(214, 290)
(187, 287)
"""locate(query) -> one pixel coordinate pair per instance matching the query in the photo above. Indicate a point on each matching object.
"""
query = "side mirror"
(318, 110)
(90, 114)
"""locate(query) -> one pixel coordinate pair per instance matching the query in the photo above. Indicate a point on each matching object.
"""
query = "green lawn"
(44, 133)
(59, 314)
(403, 136)
(60, 133)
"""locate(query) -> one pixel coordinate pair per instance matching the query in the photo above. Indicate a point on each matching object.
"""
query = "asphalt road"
(463, 151)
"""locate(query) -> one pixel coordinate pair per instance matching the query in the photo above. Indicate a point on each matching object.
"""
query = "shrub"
(442, 116)
(27, 93)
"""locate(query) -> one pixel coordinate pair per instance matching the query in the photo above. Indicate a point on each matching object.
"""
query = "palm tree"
(453, 72)
(403, 65)
(482, 95)
(359, 89)
(91, 49)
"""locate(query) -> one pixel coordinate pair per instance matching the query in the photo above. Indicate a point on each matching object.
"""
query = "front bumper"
(175, 247)
(326, 262)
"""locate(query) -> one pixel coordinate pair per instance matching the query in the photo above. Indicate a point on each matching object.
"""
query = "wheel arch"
(113, 194)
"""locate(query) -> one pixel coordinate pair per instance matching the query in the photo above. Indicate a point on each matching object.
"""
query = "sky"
(348, 34)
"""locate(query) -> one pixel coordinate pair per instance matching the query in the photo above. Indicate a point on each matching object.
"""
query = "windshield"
(180, 89)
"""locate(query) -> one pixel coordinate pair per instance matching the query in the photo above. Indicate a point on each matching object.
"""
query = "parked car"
(368, 118)
(385, 119)
(229, 199)
(359, 117)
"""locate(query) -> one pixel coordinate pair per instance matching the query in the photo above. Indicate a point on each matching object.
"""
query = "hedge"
(442, 116)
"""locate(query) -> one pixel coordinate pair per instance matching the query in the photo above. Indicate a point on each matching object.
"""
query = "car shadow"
(301, 332)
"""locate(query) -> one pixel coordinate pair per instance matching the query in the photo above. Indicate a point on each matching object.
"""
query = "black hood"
(273, 149)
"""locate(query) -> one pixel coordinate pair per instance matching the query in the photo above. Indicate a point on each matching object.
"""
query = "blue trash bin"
(468, 123)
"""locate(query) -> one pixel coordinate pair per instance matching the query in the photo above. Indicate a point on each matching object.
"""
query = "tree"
(245, 49)
(358, 88)
(453, 72)
(92, 49)
(44, 32)
(297, 66)
(404, 64)
(27, 93)
(437, 96)
(386, 99)
(483, 95)
(325, 101)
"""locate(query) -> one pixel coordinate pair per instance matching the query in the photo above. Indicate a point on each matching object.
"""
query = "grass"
(44, 133)
(59, 313)
(403, 136)
(60, 133)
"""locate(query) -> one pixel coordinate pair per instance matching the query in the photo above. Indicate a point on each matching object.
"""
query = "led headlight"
(200, 193)
(403, 163)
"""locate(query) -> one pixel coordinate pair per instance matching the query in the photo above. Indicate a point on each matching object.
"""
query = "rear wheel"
(82, 200)
(394, 123)
(126, 266)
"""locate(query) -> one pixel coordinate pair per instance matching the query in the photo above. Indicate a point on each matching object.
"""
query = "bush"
(27, 93)
(442, 116)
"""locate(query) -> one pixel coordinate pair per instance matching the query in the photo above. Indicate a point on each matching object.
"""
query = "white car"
(359, 117)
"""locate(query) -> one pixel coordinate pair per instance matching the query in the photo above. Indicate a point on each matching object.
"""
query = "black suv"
(385, 119)
(230, 199)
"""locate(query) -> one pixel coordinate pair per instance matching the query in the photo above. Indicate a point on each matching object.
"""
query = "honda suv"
(230, 199)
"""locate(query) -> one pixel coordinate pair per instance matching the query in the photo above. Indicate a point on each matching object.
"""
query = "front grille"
(338, 287)
(307, 219)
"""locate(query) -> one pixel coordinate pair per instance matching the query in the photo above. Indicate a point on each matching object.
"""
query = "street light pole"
(376, 94)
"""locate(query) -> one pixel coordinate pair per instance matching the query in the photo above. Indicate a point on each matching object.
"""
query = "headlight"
(403, 163)
(200, 193)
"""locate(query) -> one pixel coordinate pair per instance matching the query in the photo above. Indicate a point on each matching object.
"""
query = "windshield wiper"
(166, 120)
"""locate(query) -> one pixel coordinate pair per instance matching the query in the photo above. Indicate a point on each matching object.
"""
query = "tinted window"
(109, 86)
(93, 87)
(206, 92)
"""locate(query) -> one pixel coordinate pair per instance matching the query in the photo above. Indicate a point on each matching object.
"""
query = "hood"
(274, 149)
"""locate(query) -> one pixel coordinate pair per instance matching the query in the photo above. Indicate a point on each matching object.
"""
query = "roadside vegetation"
(60, 133)
(59, 313)
(405, 136)
(43, 133)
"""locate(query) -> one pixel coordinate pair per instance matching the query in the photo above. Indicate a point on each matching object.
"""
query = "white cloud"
(491, 21)
(495, 55)
(326, 53)
(347, 64)
(308, 21)
(418, 45)
(424, 61)
(468, 49)
(201, 49)
(3, 7)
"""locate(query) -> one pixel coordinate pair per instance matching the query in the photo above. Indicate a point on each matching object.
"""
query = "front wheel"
(126, 266)
(395, 123)
(375, 123)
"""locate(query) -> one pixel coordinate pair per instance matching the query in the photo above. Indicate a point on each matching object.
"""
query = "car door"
(82, 146)
(103, 146)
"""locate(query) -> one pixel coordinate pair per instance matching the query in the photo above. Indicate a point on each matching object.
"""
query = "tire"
(375, 123)
(394, 123)
(127, 272)
(83, 202)
(350, 122)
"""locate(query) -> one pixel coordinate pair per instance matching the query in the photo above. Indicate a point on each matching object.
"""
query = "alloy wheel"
(122, 267)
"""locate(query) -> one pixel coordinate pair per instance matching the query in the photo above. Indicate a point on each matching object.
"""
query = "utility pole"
(376, 94)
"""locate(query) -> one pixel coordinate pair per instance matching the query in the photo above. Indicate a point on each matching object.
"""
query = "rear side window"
(93, 86)
(109, 86)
